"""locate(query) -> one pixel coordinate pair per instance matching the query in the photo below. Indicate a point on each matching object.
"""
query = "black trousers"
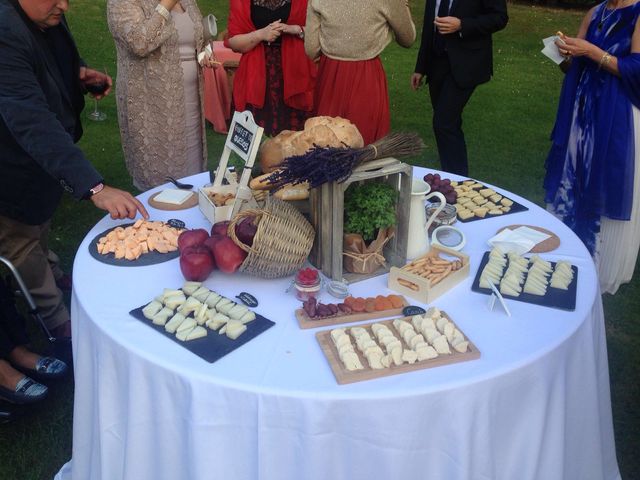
(12, 332)
(448, 101)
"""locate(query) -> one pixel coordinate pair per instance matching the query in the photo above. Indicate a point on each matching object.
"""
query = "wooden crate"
(422, 290)
(327, 216)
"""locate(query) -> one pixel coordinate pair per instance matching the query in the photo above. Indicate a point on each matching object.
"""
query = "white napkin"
(173, 196)
(520, 240)
(551, 49)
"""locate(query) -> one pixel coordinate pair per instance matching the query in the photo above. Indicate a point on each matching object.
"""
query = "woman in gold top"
(348, 36)
(159, 88)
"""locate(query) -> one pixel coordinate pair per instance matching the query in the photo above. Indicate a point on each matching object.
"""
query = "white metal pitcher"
(418, 242)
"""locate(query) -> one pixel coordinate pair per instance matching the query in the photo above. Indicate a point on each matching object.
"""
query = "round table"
(536, 405)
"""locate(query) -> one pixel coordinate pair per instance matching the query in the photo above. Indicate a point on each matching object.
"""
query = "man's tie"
(438, 38)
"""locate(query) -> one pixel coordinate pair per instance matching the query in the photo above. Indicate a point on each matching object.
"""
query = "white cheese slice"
(162, 316)
(151, 309)
(201, 294)
(190, 287)
(173, 196)
(175, 321)
(188, 324)
(441, 345)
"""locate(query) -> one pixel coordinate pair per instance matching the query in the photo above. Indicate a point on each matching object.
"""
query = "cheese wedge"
(172, 325)
(151, 309)
(162, 316)
(190, 287)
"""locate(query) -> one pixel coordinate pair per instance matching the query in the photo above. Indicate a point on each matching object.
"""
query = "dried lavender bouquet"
(334, 164)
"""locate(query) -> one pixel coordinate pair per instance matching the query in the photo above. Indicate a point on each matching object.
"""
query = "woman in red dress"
(348, 36)
(275, 80)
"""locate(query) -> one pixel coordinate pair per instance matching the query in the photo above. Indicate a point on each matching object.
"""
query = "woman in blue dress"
(593, 169)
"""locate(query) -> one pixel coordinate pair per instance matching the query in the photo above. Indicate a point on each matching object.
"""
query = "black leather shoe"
(27, 391)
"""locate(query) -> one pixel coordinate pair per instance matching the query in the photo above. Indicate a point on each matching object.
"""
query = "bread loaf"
(322, 131)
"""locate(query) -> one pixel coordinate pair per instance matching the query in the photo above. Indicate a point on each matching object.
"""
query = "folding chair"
(61, 346)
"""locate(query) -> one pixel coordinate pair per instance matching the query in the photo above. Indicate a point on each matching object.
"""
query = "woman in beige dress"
(159, 88)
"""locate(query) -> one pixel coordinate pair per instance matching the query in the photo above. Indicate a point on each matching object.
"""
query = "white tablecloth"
(536, 405)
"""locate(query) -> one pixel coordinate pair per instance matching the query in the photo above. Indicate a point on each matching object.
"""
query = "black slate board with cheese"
(554, 297)
(515, 207)
(214, 346)
(150, 258)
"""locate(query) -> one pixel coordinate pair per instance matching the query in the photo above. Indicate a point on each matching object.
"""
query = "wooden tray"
(420, 288)
(344, 376)
(305, 322)
(545, 246)
(554, 298)
(190, 202)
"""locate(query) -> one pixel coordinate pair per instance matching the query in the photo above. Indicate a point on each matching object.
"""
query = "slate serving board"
(151, 258)
(213, 346)
(554, 298)
(515, 208)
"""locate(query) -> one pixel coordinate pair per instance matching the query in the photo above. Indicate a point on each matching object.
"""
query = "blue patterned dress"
(590, 168)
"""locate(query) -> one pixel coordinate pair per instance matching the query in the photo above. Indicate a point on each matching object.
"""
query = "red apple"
(210, 243)
(189, 238)
(246, 230)
(196, 263)
(228, 255)
(220, 228)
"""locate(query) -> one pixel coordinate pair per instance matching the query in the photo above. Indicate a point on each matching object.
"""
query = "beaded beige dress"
(156, 100)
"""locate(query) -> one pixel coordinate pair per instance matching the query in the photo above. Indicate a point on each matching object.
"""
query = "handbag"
(210, 27)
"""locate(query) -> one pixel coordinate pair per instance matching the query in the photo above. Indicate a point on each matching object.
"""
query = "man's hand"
(446, 25)
(416, 80)
(118, 203)
(90, 76)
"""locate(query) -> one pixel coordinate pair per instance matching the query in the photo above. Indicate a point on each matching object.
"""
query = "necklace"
(603, 17)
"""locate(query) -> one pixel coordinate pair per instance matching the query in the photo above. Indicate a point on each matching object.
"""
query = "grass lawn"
(507, 125)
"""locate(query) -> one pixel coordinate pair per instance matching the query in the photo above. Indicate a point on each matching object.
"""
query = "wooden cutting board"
(305, 322)
(344, 376)
(190, 202)
(545, 246)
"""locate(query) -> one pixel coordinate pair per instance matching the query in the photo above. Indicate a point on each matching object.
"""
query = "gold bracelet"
(604, 61)
(162, 10)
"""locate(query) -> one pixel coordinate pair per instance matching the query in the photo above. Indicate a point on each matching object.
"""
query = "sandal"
(27, 391)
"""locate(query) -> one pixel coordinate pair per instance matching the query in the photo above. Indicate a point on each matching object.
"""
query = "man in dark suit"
(455, 57)
(42, 82)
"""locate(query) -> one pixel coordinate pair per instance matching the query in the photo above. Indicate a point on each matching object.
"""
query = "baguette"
(260, 182)
(293, 192)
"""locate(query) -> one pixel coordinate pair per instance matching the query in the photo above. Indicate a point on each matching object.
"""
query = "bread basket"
(282, 242)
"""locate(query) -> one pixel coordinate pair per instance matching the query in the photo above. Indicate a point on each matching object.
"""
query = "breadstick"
(408, 284)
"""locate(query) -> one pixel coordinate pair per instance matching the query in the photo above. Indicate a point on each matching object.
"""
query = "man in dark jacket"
(42, 81)
(455, 57)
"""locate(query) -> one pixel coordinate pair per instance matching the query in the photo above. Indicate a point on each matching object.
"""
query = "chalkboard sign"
(244, 136)
(241, 138)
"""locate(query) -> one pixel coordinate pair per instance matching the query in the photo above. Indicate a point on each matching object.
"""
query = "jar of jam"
(307, 284)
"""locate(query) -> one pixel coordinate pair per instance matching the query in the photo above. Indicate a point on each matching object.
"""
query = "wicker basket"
(282, 241)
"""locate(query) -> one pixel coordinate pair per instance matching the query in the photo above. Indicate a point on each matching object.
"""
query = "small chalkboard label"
(413, 310)
(241, 138)
(248, 299)
(175, 223)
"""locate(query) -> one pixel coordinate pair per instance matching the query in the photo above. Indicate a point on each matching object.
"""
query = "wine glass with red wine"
(97, 88)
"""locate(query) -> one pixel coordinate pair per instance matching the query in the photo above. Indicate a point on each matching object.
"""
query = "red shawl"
(299, 73)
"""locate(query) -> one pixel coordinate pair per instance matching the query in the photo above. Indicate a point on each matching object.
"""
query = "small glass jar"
(307, 285)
